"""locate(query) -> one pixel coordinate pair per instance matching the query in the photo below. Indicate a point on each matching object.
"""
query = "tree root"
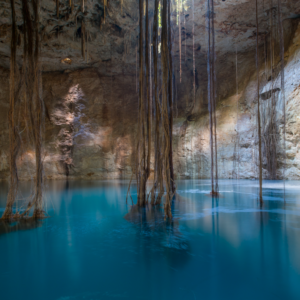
(39, 214)
(215, 195)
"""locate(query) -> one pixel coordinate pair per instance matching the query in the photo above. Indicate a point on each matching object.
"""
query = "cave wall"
(238, 157)
(89, 126)
(91, 119)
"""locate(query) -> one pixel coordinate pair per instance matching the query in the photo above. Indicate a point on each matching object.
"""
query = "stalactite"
(13, 137)
(258, 107)
(82, 5)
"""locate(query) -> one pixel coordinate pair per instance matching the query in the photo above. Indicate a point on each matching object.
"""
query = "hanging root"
(33, 113)
(39, 117)
(258, 108)
(128, 191)
(165, 106)
(104, 10)
(71, 4)
(34, 105)
(163, 166)
(57, 9)
(214, 194)
(212, 103)
(13, 136)
(170, 99)
(83, 43)
(39, 214)
(282, 87)
(141, 148)
(149, 100)
(157, 163)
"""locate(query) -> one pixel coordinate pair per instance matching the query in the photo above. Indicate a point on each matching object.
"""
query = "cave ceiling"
(112, 45)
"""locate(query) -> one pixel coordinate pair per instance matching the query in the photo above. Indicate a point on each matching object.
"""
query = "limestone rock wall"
(89, 126)
(237, 127)
(91, 119)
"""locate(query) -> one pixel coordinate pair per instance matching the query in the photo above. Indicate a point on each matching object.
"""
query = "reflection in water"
(153, 231)
(94, 246)
(22, 224)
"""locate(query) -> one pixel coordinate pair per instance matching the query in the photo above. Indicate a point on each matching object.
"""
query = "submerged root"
(214, 194)
(39, 214)
(8, 213)
(168, 213)
(8, 216)
(159, 197)
(7, 226)
(128, 191)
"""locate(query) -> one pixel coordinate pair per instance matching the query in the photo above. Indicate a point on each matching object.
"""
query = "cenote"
(94, 246)
(149, 149)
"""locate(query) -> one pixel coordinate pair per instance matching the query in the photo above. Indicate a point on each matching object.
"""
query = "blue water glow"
(95, 246)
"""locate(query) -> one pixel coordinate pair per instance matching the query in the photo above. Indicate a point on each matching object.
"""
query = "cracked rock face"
(91, 102)
(237, 127)
(116, 38)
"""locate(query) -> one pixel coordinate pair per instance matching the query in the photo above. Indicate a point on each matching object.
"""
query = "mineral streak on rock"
(91, 107)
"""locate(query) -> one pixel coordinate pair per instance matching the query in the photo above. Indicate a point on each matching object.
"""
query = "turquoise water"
(94, 246)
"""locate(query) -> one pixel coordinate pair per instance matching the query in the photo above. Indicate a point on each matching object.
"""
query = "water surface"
(94, 246)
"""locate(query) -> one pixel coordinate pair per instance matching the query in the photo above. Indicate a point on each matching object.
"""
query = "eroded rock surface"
(91, 104)
(237, 127)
